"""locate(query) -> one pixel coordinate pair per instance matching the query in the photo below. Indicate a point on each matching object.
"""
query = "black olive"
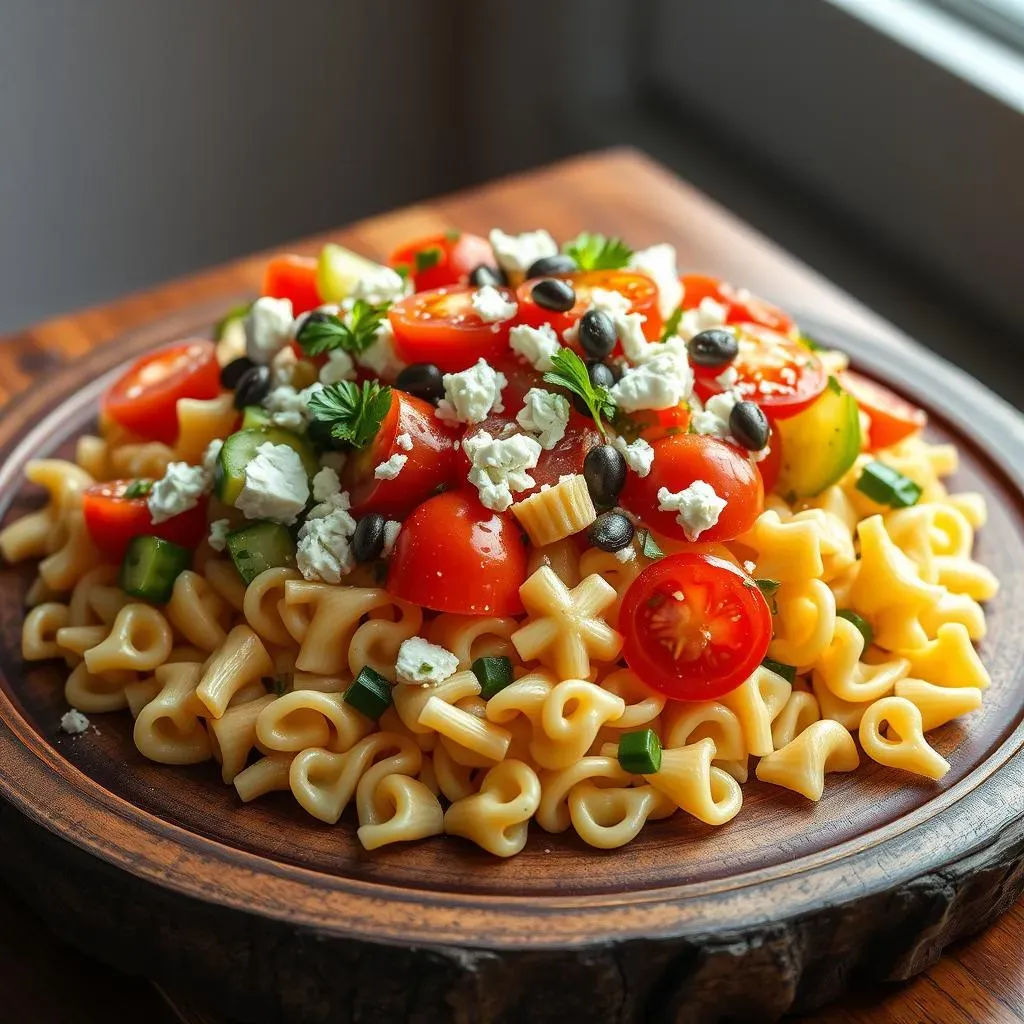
(611, 531)
(423, 380)
(231, 374)
(601, 376)
(749, 425)
(713, 347)
(252, 386)
(551, 293)
(597, 333)
(484, 275)
(552, 266)
(368, 540)
(604, 470)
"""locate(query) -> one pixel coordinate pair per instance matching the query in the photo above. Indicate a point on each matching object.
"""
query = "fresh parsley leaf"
(138, 489)
(452, 235)
(353, 414)
(231, 315)
(570, 372)
(833, 386)
(427, 258)
(650, 547)
(672, 324)
(769, 588)
(353, 334)
(595, 252)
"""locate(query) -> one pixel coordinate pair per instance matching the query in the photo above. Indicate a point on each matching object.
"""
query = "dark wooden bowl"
(268, 915)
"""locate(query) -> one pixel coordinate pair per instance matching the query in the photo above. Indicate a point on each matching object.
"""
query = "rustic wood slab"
(267, 915)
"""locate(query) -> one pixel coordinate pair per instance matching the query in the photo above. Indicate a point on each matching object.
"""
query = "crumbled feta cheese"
(282, 367)
(661, 382)
(545, 415)
(697, 507)
(703, 317)
(714, 417)
(516, 253)
(728, 378)
(276, 486)
(339, 367)
(659, 264)
(324, 552)
(326, 484)
(391, 467)
(500, 466)
(424, 664)
(380, 358)
(639, 455)
(209, 460)
(268, 326)
(608, 301)
(391, 532)
(471, 394)
(491, 306)
(289, 408)
(404, 441)
(333, 503)
(379, 285)
(626, 554)
(537, 345)
(218, 536)
(333, 460)
(629, 328)
(178, 490)
(73, 722)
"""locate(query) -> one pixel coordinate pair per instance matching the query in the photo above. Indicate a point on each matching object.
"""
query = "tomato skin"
(453, 555)
(113, 520)
(678, 462)
(144, 399)
(770, 465)
(293, 277)
(741, 306)
(892, 418)
(457, 254)
(655, 424)
(703, 646)
(429, 462)
(638, 288)
(441, 327)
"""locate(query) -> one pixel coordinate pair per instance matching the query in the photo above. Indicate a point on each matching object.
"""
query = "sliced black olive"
(484, 275)
(368, 539)
(611, 531)
(749, 425)
(604, 470)
(551, 293)
(423, 380)
(553, 266)
(597, 335)
(231, 374)
(712, 348)
(601, 376)
(252, 387)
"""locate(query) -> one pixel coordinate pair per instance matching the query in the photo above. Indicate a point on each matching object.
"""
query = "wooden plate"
(270, 915)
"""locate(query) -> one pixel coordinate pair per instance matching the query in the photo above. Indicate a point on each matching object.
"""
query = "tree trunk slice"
(269, 915)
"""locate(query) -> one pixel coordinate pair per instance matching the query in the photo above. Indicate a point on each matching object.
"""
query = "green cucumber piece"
(151, 566)
(819, 444)
(260, 546)
(240, 449)
(255, 417)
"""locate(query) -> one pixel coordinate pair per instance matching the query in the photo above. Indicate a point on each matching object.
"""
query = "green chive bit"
(640, 752)
(369, 694)
(788, 672)
(860, 622)
(888, 486)
(493, 674)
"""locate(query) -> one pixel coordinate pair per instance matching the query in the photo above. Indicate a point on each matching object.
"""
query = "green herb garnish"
(324, 333)
(138, 489)
(640, 752)
(863, 626)
(427, 258)
(833, 386)
(595, 252)
(452, 235)
(888, 486)
(672, 324)
(352, 414)
(788, 672)
(570, 372)
(649, 546)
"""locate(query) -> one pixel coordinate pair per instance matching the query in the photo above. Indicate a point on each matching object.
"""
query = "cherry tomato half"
(453, 555)
(741, 306)
(696, 626)
(654, 424)
(293, 277)
(113, 520)
(145, 398)
(441, 327)
(782, 376)
(892, 418)
(770, 465)
(443, 259)
(678, 462)
(641, 291)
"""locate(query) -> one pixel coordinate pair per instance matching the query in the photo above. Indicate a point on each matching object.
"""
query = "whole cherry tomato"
(443, 259)
(892, 418)
(741, 306)
(293, 277)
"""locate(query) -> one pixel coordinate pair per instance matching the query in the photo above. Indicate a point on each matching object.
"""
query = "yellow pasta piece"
(267, 775)
(92, 454)
(194, 610)
(240, 660)
(40, 629)
(469, 637)
(97, 694)
(310, 718)
(756, 702)
(685, 723)
(938, 704)
(802, 764)
(200, 420)
(786, 551)
(81, 607)
(485, 738)
(955, 608)
(609, 818)
(643, 705)
(262, 604)
(233, 736)
(847, 713)
(909, 750)
(224, 578)
(139, 640)
(561, 511)
(799, 712)
(376, 642)
(168, 729)
(410, 700)
(619, 574)
(971, 506)
(553, 811)
(570, 718)
(140, 693)
(804, 623)
(562, 558)
(842, 671)
(404, 809)
(497, 817)
(73, 558)
(962, 575)
(688, 778)
(455, 781)
(949, 660)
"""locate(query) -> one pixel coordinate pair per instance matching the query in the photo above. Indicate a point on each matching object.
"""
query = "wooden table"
(617, 192)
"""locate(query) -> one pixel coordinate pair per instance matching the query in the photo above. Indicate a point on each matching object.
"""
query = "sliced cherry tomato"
(741, 306)
(429, 462)
(145, 398)
(113, 520)
(453, 555)
(696, 626)
(441, 260)
(521, 376)
(641, 291)
(770, 465)
(442, 327)
(655, 424)
(892, 418)
(782, 376)
(678, 462)
(293, 277)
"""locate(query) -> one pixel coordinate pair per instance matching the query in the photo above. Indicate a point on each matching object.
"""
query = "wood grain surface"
(622, 193)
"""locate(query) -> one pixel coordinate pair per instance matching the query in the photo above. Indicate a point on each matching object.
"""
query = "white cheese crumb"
(516, 253)
(268, 327)
(178, 490)
(424, 664)
(380, 358)
(404, 441)
(378, 285)
(728, 378)
(697, 507)
(537, 345)
(659, 263)
(324, 552)
(662, 382)
(639, 455)
(626, 554)
(218, 536)
(615, 304)
(471, 394)
(289, 408)
(210, 456)
(500, 466)
(326, 484)
(282, 367)
(390, 468)
(73, 722)
(703, 317)
(491, 306)
(391, 532)
(339, 367)
(545, 415)
(713, 419)
(276, 486)
(333, 503)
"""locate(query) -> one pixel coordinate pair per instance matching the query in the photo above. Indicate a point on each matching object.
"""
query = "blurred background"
(882, 141)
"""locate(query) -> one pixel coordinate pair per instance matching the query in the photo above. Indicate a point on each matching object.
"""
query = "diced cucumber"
(232, 321)
(263, 545)
(240, 449)
(255, 417)
(819, 444)
(339, 270)
(151, 566)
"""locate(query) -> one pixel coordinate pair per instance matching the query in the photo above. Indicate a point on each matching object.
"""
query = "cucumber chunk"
(240, 449)
(339, 270)
(255, 417)
(819, 444)
(263, 545)
(151, 566)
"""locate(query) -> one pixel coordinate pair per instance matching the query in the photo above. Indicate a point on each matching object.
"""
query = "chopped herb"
(452, 235)
(570, 372)
(672, 324)
(640, 752)
(138, 489)
(321, 334)
(493, 675)
(402, 270)
(353, 414)
(369, 694)
(221, 326)
(788, 672)
(833, 386)
(427, 258)
(888, 486)
(595, 252)
(649, 546)
(860, 622)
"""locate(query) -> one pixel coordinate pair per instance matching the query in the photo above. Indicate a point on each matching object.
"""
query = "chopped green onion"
(860, 622)
(138, 489)
(369, 694)
(649, 546)
(427, 258)
(788, 672)
(768, 587)
(888, 486)
(640, 752)
(493, 674)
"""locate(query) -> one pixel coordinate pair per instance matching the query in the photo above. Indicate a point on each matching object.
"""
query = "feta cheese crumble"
(728, 378)
(326, 484)
(713, 419)
(659, 264)
(421, 663)
(471, 394)
(380, 358)
(339, 367)
(516, 253)
(276, 486)
(289, 408)
(379, 285)
(639, 455)
(268, 327)
(404, 441)
(537, 345)
(697, 507)
(391, 531)
(613, 303)
(661, 382)
(218, 536)
(703, 317)
(545, 415)
(178, 490)
(491, 306)
(209, 460)
(499, 466)
(390, 468)
(73, 722)
(324, 551)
